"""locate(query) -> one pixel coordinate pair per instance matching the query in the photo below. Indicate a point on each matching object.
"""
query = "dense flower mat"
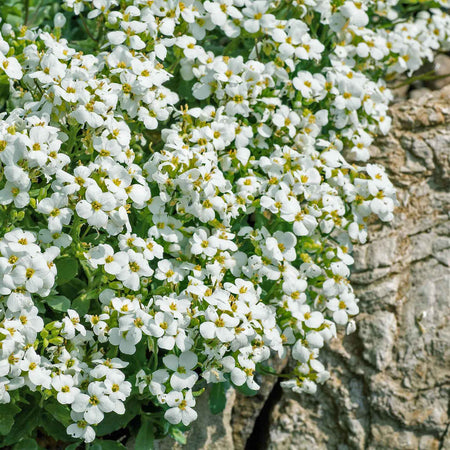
(181, 184)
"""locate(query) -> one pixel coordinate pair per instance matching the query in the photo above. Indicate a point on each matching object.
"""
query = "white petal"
(207, 330)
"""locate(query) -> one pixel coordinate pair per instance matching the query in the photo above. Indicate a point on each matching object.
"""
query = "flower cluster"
(179, 198)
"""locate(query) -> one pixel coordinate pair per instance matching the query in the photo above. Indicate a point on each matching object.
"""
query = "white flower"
(31, 364)
(81, 429)
(220, 326)
(342, 308)
(96, 206)
(71, 323)
(180, 408)
(256, 17)
(167, 271)
(30, 273)
(126, 339)
(355, 12)
(238, 102)
(90, 114)
(215, 205)
(314, 339)
(52, 69)
(307, 84)
(64, 385)
(351, 95)
(281, 246)
(221, 10)
(113, 262)
(94, 404)
(118, 389)
(285, 117)
(202, 244)
(245, 373)
(59, 20)
(11, 67)
(55, 208)
(13, 193)
(152, 249)
(183, 377)
(7, 385)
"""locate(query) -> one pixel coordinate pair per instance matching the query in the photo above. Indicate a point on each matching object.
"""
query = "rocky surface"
(390, 384)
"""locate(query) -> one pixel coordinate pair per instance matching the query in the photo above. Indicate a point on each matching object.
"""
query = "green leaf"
(178, 435)
(106, 445)
(7, 413)
(4, 80)
(24, 423)
(26, 444)
(217, 397)
(145, 436)
(58, 302)
(93, 238)
(81, 304)
(266, 370)
(139, 358)
(60, 412)
(67, 268)
(40, 307)
(73, 446)
(73, 288)
(244, 389)
(113, 422)
(54, 428)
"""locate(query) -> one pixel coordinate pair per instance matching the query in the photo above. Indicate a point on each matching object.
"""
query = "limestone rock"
(377, 333)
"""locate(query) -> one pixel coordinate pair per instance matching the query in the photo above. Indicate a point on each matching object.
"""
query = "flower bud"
(59, 20)
(7, 29)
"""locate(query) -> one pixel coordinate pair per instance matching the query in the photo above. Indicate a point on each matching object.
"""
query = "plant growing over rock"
(181, 184)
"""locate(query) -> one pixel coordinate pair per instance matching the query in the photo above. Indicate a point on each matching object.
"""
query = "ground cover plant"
(181, 184)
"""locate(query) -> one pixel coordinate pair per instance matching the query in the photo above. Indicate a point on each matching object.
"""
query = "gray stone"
(377, 332)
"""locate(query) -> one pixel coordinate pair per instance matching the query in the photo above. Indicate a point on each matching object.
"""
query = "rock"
(400, 93)
(441, 69)
(418, 93)
(247, 409)
(377, 333)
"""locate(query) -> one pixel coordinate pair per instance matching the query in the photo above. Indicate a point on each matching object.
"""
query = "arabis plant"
(181, 184)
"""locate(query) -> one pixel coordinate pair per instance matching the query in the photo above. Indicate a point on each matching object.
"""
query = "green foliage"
(25, 421)
(217, 397)
(7, 413)
(106, 445)
(58, 302)
(113, 422)
(145, 436)
(67, 269)
(31, 13)
(26, 444)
